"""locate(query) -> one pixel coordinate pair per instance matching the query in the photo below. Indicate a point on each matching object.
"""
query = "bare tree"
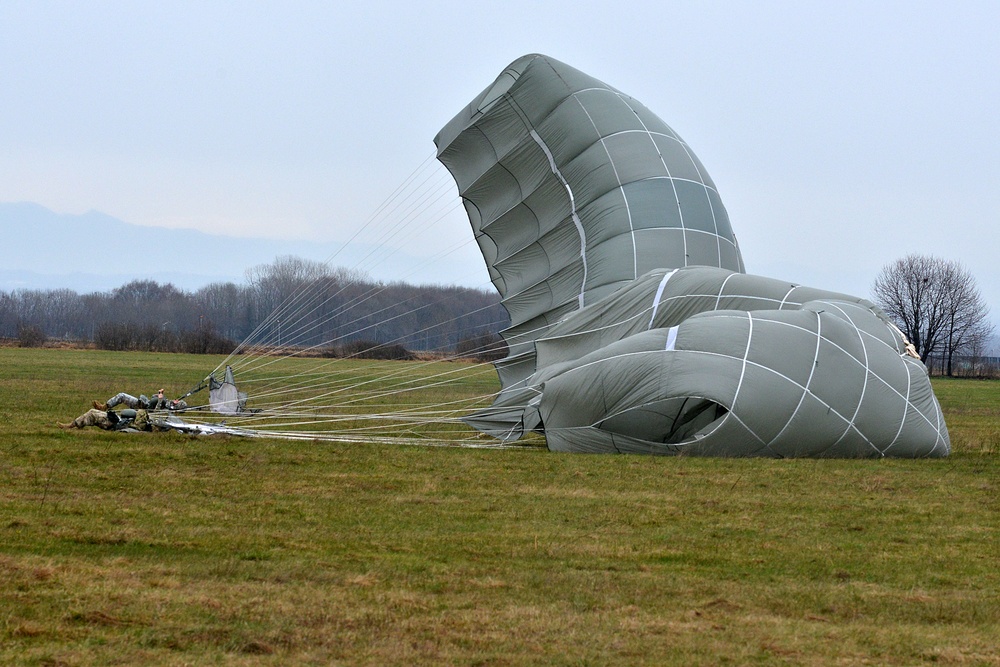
(936, 303)
(967, 325)
(977, 354)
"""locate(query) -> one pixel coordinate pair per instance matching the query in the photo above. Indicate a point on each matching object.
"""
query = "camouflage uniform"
(158, 402)
(128, 400)
(142, 422)
(137, 420)
(93, 417)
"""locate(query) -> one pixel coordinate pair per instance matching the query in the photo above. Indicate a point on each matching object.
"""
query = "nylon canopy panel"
(574, 189)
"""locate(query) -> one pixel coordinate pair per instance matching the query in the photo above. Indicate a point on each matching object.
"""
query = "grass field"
(120, 549)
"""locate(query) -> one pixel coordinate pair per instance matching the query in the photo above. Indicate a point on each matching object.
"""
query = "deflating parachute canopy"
(707, 361)
(634, 328)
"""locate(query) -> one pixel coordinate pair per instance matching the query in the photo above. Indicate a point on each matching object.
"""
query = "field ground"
(173, 550)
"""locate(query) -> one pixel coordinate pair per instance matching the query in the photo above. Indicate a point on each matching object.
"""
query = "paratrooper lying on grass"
(109, 420)
(158, 402)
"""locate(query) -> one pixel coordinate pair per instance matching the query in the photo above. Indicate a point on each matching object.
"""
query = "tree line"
(935, 303)
(348, 308)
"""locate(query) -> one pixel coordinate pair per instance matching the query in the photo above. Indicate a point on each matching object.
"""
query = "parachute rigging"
(632, 324)
(298, 374)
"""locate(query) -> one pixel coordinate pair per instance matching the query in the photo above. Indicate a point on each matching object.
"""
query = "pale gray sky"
(841, 135)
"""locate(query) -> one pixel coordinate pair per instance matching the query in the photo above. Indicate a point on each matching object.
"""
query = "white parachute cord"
(403, 371)
(288, 387)
(331, 379)
(417, 410)
(374, 291)
(309, 325)
(299, 317)
(375, 216)
(411, 216)
(318, 283)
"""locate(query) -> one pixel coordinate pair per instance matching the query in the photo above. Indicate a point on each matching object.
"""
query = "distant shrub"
(487, 347)
(120, 336)
(205, 340)
(164, 341)
(114, 336)
(367, 349)
(30, 335)
(331, 352)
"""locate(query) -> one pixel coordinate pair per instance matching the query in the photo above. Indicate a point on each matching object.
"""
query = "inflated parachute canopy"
(575, 189)
(634, 328)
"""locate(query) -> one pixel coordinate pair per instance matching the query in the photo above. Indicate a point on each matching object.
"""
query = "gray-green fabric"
(575, 189)
(705, 361)
(634, 328)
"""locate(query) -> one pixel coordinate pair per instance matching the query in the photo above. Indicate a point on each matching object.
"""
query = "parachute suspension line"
(359, 300)
(330, 379)
(264, 391)
(272, 360)
(298, 296)
(404, 385)
(304, 315)
(396, 195)
(331, 413)
(291, 384)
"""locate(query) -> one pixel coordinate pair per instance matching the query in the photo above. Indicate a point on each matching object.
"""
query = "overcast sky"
(841, 137)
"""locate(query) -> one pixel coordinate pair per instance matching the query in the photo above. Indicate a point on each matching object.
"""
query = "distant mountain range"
(95, 252)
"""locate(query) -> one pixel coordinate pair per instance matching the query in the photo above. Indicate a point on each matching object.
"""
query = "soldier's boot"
(100, 406)
(64, 426)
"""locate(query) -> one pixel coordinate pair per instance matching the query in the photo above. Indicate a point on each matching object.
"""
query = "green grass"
(169, 549)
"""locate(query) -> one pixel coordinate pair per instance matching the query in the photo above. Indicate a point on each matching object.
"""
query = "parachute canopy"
(574, 190)
(634, 327)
